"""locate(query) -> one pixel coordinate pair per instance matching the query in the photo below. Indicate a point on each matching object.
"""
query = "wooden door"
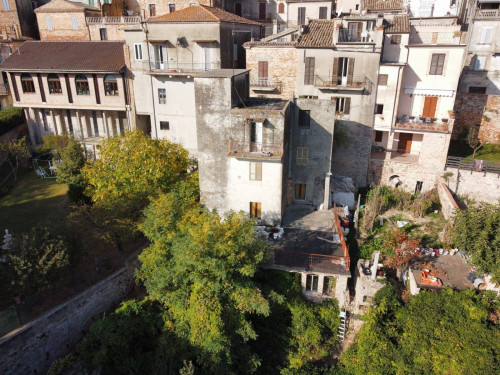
(404, 144)
(300, 191)
(430, 104)
(263, 73)
(262, 11)
(256, 209)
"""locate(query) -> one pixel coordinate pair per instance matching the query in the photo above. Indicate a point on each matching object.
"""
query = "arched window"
(27, 83)
(110, 85)
(54, 84)
(281, 8)
(82, 85)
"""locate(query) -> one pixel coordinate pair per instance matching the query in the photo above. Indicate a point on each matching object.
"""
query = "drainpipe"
(146, 31)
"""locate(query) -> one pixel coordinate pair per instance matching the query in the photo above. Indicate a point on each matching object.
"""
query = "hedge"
(10, 118)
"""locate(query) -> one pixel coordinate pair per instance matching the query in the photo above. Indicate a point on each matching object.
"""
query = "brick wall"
(32, 348)
(62, 26)
(478, 109)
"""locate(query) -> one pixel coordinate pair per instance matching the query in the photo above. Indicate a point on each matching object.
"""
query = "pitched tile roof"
(382, 4)
(397, 24)
(270, 44)
(55, 6)
(67, 57)
(202, 13)
(318, 33)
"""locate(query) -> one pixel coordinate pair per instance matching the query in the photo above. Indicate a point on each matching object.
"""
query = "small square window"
(382, 79)
(379, 109)
(164, 125)
(395, 39)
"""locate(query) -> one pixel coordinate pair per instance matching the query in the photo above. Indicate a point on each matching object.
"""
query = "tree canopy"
(477, 231)
(69, 171)
(446, 332)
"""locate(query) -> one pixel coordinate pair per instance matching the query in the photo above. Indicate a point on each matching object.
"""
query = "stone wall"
(32, 348)
(480, 186)
(62, 27)
(449, 206)
(477, 109)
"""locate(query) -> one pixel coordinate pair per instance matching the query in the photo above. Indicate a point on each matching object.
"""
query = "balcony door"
(343, 71)
(263, 73)
(160, 53)
(404, 144)
(206, 56)
(301, 17)
(256, 136)
(430, 104)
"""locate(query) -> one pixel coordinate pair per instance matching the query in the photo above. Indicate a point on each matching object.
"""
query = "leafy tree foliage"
(200, 267)
(436, 333)
(477, 231)
(14, 151)
(39, 259)
(69, 171)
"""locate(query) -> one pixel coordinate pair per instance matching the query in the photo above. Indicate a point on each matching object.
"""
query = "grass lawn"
(490, 152)
(30, 201)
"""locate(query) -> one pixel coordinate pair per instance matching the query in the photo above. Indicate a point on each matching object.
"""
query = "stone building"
(153, 8)
(17, 17)
(76, 88)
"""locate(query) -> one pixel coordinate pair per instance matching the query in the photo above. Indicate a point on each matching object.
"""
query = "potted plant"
(444, 120)
(451, 113)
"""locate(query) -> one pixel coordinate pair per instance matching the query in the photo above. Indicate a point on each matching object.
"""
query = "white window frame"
(6, 5)
(341, 104)
(312, 277)
(302, 155)
(138, 51)
(162, 96)
(254, 171)
(48, 23)
(74, 23)
(480, 63)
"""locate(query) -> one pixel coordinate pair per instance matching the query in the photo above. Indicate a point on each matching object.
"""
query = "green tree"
(14, 151)
(477, 231)
(200, 267)
(39, 259)
(69, 170)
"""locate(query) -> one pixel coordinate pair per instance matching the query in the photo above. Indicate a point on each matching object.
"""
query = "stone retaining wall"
(480, 186)
(449, 206)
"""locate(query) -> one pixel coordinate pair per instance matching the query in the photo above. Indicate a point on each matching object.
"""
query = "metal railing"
(179, 67)
(4, 89)
(426, 124)
(266, 83)
(313, 262)
(336, 82)
(254, 149)
(352, 37)
(488, 13)
(112, 20)
(453, 38)
(473, 165)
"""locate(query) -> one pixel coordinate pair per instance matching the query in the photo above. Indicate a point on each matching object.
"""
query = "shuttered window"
(138, 51)
(309, 71)
(281, 8)
(437, 64)
(48, 23)
(382, 79)
(74, 23)
(486, 34)
(322, 13)
(263, 71)
(6, 5)
(300, 191)
(342, 105)
(256, 171)
(302, 155)
(256, 209)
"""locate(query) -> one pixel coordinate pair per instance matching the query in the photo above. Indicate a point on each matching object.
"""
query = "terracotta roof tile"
(382, 4)
(318, 33)
(202, 13)
(56, 6)
(397, 24)
(66, 57)
(270, 44)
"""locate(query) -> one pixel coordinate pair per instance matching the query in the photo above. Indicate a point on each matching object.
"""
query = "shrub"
(10, 118)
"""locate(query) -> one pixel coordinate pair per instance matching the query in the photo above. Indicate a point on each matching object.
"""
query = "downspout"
(146, 31)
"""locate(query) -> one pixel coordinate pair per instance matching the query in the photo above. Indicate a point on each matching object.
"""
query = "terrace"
(265, 84)
(336, 83)
(396, 156)
(482, 14)
(179, 68)
(424, 124)
(113, 20)
(444, 38)
(254, 150)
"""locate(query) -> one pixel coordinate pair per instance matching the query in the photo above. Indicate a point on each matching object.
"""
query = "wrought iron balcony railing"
(335, 82)
(112, 20)
(254, 150)
(180, 67)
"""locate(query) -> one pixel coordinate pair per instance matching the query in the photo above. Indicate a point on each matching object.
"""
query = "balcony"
(176, 68)
(483, 14)
(112, 20)
(424, 124)
(4, 89)
(308, 262)
(265, 84)
(474, 165)
(433, 38)
(334, 83)
(254, 150)
(398, 156)
(345, 36)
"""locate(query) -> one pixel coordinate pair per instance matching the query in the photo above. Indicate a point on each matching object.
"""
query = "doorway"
(256, 136)
(404, 144)
(430, 104)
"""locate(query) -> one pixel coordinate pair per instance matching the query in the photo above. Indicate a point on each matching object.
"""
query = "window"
(255, 171)
(152, 10)
(74, 23)
(138, 51)
(309, 71)
(322, 13)
(418, 187)
(162, 96)
(301, 15)
(263, 73)
(437, 64)
(103, 32)
(255, 209)
(96, 125)
(329, 285)
(477, 90)
(379, 109)
(54, 84)
(370, 25)
(171, 8)
(82, 85)
(48, 23)
(395, 39)
(343, 105)
(302, 155)
(44, 120)
(110, 85)
(354, 30)
(382, 79)
(70, 122)
(164, 125)
(281, 8)
(192, 4)
(304, 118)
(6, 5)
(312, 283)
(378, 136)
(300, 191)
(262, 11)
(486, 34)
(237, 9)
(479, 63)
(27, 83)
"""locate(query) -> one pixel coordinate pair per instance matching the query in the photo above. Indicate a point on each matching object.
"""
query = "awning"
(205, 40)
(429, 92)
(157, 40)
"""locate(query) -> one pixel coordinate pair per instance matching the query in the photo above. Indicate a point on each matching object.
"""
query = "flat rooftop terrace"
(263, 103)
